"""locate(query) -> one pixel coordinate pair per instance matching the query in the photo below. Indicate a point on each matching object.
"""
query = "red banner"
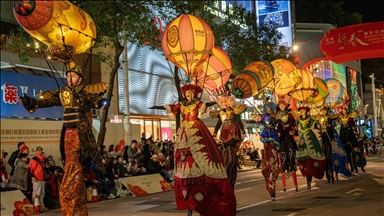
(362, 41)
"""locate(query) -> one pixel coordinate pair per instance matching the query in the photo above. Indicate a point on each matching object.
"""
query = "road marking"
(292, 214)
(245, 189)
(253, 180)
(356, 190)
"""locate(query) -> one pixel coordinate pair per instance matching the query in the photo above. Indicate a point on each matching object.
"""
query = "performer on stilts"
(270, 161)
(324, 123)
(286, 129)
(347, 134)
(201, 182)
(77, 144)
(232, 132)
(358, 157)
(309, 154)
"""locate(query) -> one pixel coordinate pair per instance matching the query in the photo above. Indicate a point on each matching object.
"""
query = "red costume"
(201, 182)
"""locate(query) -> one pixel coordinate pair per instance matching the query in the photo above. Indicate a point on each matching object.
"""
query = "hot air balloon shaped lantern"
(305, 88)
(252, 79)
(321, 93)
(214, 72)
(336, 91)
(61, 25)
(285, 78)
(187, 41)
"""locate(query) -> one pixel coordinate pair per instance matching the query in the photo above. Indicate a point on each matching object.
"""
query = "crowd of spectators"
(39, 177)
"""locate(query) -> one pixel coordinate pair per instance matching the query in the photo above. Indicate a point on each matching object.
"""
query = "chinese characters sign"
(10, 95)
(354, 42)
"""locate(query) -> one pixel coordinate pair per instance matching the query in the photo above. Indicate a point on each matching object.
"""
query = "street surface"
(362, 194)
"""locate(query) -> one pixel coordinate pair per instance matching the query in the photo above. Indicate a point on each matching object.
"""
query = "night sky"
(372, 11)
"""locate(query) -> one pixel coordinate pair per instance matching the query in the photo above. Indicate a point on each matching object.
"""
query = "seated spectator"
(112, 152)
(133, 151)
(14, 155)
(21, 179)
(135, 168)
(166, 172)
(155, 166)
(122, 170)
(103, 152)
(113, 173)
(54, 183)
(101, 181)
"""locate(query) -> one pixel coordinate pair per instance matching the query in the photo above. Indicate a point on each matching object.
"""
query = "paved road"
(362, 194)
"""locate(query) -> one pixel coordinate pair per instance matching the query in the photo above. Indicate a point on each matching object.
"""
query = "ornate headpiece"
(76, 69)
(196, 89)
(270, 105)
(304, 108)
(282, 101)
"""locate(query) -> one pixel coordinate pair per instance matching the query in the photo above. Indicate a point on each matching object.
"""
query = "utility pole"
(374, 128)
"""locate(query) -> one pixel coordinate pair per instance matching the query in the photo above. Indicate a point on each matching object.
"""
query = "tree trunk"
(177, 84)
(104, 114)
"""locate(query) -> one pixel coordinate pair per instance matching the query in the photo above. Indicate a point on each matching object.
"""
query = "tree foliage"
(325, 11)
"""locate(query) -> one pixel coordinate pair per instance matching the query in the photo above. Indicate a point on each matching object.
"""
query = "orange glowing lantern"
(214, 72)
(61, 25)
(252, 79)
(306, 87)
(187, 42)
(286, 77)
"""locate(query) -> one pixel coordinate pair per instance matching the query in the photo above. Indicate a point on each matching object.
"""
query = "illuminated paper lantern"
(320, 94)
(306, 87)
(286, 77)
(187, 42)
(51, 22)
(214, 72)
(252, 79)
(336, 91)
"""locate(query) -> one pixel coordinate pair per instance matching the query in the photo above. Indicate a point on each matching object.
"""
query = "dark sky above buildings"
(372, 11)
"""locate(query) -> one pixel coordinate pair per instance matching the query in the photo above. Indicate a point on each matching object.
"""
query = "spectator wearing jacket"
(20, 179)
(122, 170)
(4, 178)
(133, 151)
(36, 167)
(101, 181)
(14, 155)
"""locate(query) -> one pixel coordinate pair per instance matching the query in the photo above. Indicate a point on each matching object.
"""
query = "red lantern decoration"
(187, 42)
(214, 72)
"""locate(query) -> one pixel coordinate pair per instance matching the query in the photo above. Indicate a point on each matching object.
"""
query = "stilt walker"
(310, 156)
(232, 132)
(286, 129)
(270, 161)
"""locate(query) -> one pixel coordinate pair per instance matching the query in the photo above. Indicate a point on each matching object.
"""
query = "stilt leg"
(294, 177)
(284, 179)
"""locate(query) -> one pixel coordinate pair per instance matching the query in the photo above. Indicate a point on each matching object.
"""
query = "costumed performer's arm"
(45, 99)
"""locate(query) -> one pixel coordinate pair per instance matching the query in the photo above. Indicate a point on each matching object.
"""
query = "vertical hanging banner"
(362, 41)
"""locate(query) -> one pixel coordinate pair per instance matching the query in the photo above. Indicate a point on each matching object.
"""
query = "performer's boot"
(294, 177)
(337, 177)
(328, 177)
(309, 181)
(189, 212)
(284, 179)
(362, 169)
(273, 198)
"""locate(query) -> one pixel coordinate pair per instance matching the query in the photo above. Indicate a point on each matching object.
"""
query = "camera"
(5, 154)
(47, 159)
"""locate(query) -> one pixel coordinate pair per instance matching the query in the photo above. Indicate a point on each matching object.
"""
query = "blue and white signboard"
(276, 14)
(14, 85)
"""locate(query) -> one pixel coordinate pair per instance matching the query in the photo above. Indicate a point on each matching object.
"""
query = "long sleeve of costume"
(45, 99)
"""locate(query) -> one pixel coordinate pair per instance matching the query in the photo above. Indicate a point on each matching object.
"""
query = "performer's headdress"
(270, 104)
(196, 89)
(282, 101)
(76, 69)
(303, 108)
